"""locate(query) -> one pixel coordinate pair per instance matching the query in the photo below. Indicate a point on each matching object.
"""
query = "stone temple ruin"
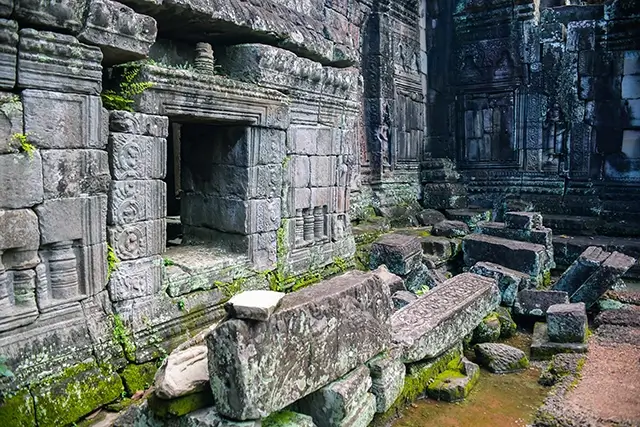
(169, 169)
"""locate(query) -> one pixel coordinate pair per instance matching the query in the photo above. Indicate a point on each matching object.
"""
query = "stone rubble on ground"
(501, 358)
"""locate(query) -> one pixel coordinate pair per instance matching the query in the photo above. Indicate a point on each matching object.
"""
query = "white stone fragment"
(254, 305)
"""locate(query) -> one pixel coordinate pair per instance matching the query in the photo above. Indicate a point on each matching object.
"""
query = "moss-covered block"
(288, 419)
(78, 391)
(17, 410)
(507, 326)
(181, 405)
(456, 382)
(138, 377)
(488, 330)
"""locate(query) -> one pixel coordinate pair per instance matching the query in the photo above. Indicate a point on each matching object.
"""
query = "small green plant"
(122, 336)
(4, 369)
(168, 262)
(422, 291)
(181, 304)
(128, 88)
(112, 261)
(25, 145)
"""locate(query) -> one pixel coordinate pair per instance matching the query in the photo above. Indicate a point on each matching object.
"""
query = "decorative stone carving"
(19, 238)
(205, 61)
(60, 120)
(138, 240)
(136, 201)
(138, 124)
(137, 157)
(58, 62)
(8, 51)
(71, 173)
(63, 271)
(134, 279)
(21, 183)
(122, 34)
(555, 140)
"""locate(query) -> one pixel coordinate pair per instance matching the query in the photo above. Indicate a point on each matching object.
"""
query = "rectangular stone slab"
(586, 264)
(525, 257)
(600, 281)
(436, 321)
(316, 336)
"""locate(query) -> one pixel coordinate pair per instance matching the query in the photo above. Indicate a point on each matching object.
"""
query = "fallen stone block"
(183, 372)
(528, 258)
(421, 374)
(456, 382)
(399, 252)
(254, 305)
(581, 269)
(509, 281)
(307, 342)
(523, 220)
(530, 302)
(180, 406)
(628, 316)
(284, 419)
(606, 276)
(387, 376)
(567, 322)
(450, 229)
(507, 326)
(429, 217)
(363, 414)
(488, 330)
(471, 217)
(436, 321)
(334, 402)
(501, 358)
(542, 348)
(394, 282)
(422, 279)
(440, 248)
(403, 298)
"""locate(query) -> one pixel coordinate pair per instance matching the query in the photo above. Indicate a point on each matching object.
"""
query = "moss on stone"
(507, 326)
(138, 377)
(287, 419)
(546, 279)
(488, 330)
(181, 405)
(522, 363)
(421, 374)
(17, 410)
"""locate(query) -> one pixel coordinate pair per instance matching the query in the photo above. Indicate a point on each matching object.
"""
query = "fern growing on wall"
(129, 86)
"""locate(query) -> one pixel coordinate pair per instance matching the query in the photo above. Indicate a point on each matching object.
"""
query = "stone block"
(67, 15)
(267, 147)
(323, 323)
(6, 7)
(436, 321)
(330, 405)
(58, 62)
(21, 182)
(72, 173)
(567, 322)
(138, 124)
(393, 282)
(265, 182)
(286, 419)
(263, 251)
(509, 281)
(631, 62)
(137, 157)
(122, 34)
(444, 196)
(63, 120)
(263, 216)
(602, 279)
(501, 358)
(581, 269)
(387, 376)
(136, 201)
(400, 253)
(8, 52)
(300, 171)
(542, 348)
(455, 383)
(19, 230)
(134, 279)
(138, 239)
(11, 122)
(78, 218)
(254, 305)
(422, 278)
(402, 298)
(209, 417)
(363, 413)
(440, 248)
(184, 372)
(631, 87)
(429, 217)
(531, 302)
(322, 171)
(528, 258)
(523, 220)
(450, 229)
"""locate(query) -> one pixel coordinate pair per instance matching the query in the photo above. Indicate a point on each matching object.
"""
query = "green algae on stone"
(288, 419)
(181, 405)
(488, 330)
(138, 377)
(17, 410)
(507, 326)
(456, 382)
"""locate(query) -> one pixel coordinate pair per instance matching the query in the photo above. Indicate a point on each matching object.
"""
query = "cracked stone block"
(348, 311)
(136, 201)
(78, 218)
(8, 51)
(542, 348)
(21, 182)
(603, 278)
(121, 33)
(402, 298)
(387, 376)
(399, 252)
(11, 121)
(58, 62)
(523, 220)
(581, 269)
(137, 278)
(263, 251)
(531, 302)
(254, 305)
(567, 322)
(528, 258)
(139, 239)
(63, 120)
(137, 157)
(509, 281)
(332, 404)
(71, 173)
(138, 124)
(435, 322)
(62, 15)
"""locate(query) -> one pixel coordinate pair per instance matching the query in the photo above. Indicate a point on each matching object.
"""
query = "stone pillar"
(24, 288)
(63, 271)
(308, 225)
(5, 304)
(299, 227)
(318, 222)
(204, 58)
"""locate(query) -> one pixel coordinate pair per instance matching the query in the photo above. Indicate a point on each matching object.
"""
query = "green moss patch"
(138, 377)
(17, 410)
(287, 419)
(181, 405)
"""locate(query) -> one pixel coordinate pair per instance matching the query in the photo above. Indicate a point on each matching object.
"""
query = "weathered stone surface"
(138, 124)
(6, 7)
(530, 302)
(430, 217)
(21, 183)
(317, 329)
(399, 252)
(72, 173)
(288, 419)
(136, 201)
(363, 413)
(138, 240)
(394, 282)
(450, 229)
(567, 322)
(488, 330)
(440, 249)
(138, 278)
(456, 382)
(540, 236)
(182, 373)
(334, 402)
(73, 219)
(8, 52)
(58, 62)
(122, 34)
(422, 278)
(509, 281)
(387, 375)
(403, 298)
(606, 276)
(507, 326)
(19, 230)
(524, 257)
(501, 358)
(542, 348)
(11, 122)
(254, 305)
(523, 220)
(63, 120)
(137, 157)
(65, 15)
(581, 269)
(436, 321)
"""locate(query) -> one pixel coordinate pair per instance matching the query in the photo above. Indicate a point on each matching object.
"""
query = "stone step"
(573, 225)
(528, 258)
(471, 217)
(439, 319)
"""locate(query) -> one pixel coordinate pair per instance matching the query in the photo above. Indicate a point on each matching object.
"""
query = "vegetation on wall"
(25, 146)
(128, 87)
(112, 261)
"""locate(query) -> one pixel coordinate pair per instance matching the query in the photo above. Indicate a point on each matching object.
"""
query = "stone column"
(63, 271)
